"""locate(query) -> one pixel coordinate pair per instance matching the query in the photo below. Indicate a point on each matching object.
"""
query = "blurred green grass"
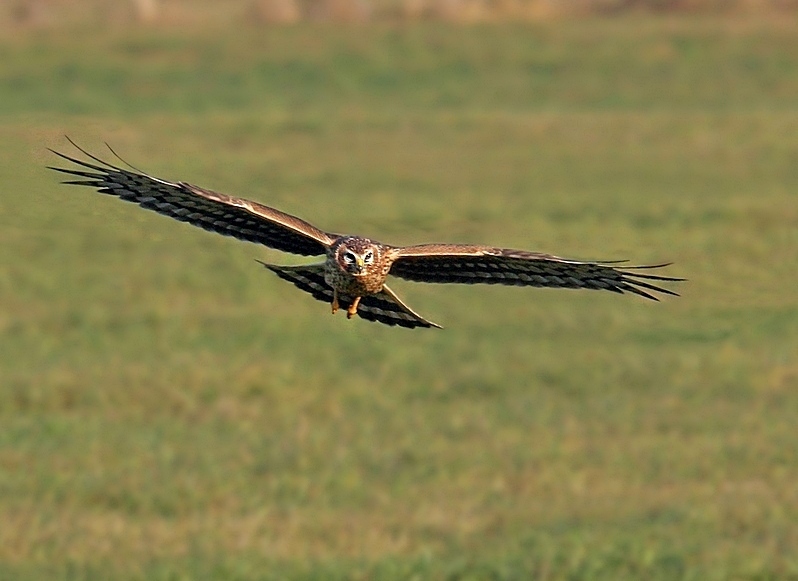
(171, 411)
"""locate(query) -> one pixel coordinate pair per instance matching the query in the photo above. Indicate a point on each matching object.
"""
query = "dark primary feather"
(468, 264)
(212, 211)
(382, 307)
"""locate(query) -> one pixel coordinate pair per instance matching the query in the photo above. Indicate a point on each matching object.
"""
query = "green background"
(169, 410)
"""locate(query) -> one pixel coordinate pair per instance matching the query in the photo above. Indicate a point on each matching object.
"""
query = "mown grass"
(171, 411)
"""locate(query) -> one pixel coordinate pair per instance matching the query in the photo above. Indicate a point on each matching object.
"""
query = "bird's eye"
(349, 258)
(368, 258)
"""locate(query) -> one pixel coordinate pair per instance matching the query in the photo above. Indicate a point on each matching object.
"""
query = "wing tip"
(635, 282)
(104, 166)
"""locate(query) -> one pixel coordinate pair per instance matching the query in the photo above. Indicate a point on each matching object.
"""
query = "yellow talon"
(335, 302)
(352, 310)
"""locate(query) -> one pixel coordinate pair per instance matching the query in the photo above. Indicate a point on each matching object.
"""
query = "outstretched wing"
(220, 213)
(471, 264)
(384, 307)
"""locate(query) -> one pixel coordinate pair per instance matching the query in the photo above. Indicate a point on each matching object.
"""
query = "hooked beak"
(359, 264)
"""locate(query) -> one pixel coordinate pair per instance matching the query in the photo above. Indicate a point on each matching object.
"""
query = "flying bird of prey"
(353, 273)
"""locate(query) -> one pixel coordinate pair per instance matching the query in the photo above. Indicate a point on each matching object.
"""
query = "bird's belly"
(353, 286)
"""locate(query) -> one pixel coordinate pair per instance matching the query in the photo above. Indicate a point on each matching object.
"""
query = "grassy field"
(171, 411)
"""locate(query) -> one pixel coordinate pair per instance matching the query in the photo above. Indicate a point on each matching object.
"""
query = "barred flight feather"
(209, 210)
(382, 307)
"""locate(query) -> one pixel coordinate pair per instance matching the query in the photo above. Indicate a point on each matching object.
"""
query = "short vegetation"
(170, 410)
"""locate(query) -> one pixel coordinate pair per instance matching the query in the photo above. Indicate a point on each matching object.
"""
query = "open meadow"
(169, 410)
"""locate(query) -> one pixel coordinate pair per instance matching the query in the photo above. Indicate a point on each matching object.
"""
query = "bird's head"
(356, 256)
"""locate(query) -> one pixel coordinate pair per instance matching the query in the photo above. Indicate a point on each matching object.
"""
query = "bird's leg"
(335, 302)
(352, 310)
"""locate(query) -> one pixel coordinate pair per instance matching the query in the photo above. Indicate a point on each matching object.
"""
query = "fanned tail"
(384, 307)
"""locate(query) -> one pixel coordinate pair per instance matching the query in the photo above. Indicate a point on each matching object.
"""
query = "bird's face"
(357, 257)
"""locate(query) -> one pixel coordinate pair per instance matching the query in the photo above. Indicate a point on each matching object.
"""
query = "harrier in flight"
(353, 273)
